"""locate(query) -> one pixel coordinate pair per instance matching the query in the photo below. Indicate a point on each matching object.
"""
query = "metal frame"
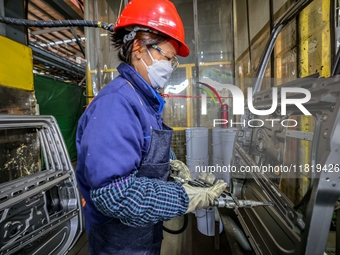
(63, 8)
(29, 193)
(67, 66)
(307, 232)
(286, 228)
(197, 66)
(52, 34)
(292, 12)
(16, 9)
(2, 14)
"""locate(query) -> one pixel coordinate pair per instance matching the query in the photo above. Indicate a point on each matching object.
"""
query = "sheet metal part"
(299, 227)
(278, 26)
(42, 205)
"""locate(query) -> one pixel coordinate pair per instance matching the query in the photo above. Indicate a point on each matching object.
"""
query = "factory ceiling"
(58, 52)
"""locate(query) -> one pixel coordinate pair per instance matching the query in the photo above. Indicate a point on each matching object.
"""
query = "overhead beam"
(50, 17)
(45, 57)
(48, 30)
(68, 50)
(76, 5)
(60, 67)
(54, 35)
(64, 9)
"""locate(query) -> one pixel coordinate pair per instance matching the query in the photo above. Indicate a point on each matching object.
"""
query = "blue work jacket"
(114, 133)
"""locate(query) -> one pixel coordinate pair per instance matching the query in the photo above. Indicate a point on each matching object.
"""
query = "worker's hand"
(208, 178)
(203, 197)
(178, 168)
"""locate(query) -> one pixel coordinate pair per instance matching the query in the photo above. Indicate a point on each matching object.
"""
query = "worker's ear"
(137, 49)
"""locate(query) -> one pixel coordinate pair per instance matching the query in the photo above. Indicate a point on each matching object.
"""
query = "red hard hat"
(159, 15)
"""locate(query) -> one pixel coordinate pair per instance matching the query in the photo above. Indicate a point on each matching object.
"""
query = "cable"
(78, 41)
(26, 15)
(120, 7)
(57, 23)
(80, 6)
(60, 23)
(181, 230)
(87, 96)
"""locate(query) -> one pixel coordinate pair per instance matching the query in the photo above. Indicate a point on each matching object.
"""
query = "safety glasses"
(172, 58)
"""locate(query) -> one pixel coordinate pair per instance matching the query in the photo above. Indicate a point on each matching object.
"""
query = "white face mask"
(159, 72)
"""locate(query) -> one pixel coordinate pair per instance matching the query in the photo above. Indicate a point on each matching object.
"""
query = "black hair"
(125, 49)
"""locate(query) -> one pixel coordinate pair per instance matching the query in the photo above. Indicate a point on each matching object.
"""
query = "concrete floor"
(190, 242)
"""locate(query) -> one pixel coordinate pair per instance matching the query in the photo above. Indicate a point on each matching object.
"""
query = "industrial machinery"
(293, 161)
(302, 174)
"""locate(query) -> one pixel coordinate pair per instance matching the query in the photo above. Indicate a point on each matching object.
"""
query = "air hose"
(57, 23)
(181, 230)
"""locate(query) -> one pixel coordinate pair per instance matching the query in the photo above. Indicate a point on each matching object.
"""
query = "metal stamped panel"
(39, 200)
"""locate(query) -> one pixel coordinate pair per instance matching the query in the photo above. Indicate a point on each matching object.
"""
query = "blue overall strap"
(172, 155)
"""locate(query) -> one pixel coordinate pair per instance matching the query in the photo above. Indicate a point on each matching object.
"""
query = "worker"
(123, 145)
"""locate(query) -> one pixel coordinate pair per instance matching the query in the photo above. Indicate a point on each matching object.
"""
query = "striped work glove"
(178, 168)
(200, 197)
